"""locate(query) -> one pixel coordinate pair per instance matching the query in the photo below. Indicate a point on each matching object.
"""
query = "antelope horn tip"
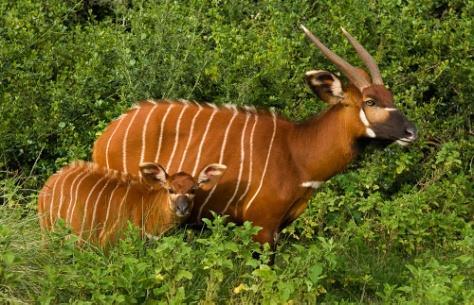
(304, 28)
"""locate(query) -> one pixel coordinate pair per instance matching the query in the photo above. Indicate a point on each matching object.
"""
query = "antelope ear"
(154, 174)
(325, 85)
(210, 175)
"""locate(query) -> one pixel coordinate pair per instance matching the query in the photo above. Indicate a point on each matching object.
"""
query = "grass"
(395, 228)
(215, 266)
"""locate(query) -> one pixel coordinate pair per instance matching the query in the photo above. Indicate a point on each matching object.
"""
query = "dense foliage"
(396, 228)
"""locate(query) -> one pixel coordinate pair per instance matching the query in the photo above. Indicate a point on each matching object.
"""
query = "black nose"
(182, 205)
(410, 132)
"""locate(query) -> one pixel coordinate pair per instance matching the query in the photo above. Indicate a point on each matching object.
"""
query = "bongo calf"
(97, 202)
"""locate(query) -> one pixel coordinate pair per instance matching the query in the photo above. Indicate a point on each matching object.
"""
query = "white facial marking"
(370, 133)
(189, 196)
(403, 142)
(390, 109)
(363, 118)
(312, 184)
(173, 197)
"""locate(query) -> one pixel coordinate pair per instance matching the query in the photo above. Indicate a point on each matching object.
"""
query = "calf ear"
(210, 175)
(153, 174)
(325, 85)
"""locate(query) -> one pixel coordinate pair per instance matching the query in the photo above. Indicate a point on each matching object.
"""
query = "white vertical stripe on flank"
(61, 193)
(202, 141)
(241, 166)
(176, 136)
(51, 205)
(72, 208)
(125, 138)
(145, 128)
(111, 199)
(96, 203)
(41, 198)
(86, 205)
(118, 218)
(265, 167)
(221, 158)
(161, 131)
(190, 136)
(71, 192)
(117, 127)
(249, 180)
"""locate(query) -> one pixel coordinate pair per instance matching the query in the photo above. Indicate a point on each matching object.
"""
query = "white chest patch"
(152, 237)
(312, 184)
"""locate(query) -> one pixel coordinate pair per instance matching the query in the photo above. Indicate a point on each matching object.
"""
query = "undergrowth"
(395, 228)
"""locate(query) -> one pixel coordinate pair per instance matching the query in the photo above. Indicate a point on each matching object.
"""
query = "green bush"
(396, 228)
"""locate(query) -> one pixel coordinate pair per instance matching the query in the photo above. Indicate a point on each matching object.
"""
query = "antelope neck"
(325, 144)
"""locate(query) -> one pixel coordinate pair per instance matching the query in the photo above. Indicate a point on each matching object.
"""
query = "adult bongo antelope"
(274, 165)
(98, 202)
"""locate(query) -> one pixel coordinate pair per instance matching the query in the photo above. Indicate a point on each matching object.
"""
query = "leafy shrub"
(395, 228)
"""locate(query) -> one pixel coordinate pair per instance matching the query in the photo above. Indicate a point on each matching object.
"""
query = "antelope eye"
(171, 191)
(370, 103)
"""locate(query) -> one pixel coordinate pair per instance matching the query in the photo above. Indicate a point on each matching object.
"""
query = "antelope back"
(90, 199)
(184, 136)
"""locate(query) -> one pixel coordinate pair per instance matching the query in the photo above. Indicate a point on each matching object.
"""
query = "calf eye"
(370, 103)
(171, 191)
